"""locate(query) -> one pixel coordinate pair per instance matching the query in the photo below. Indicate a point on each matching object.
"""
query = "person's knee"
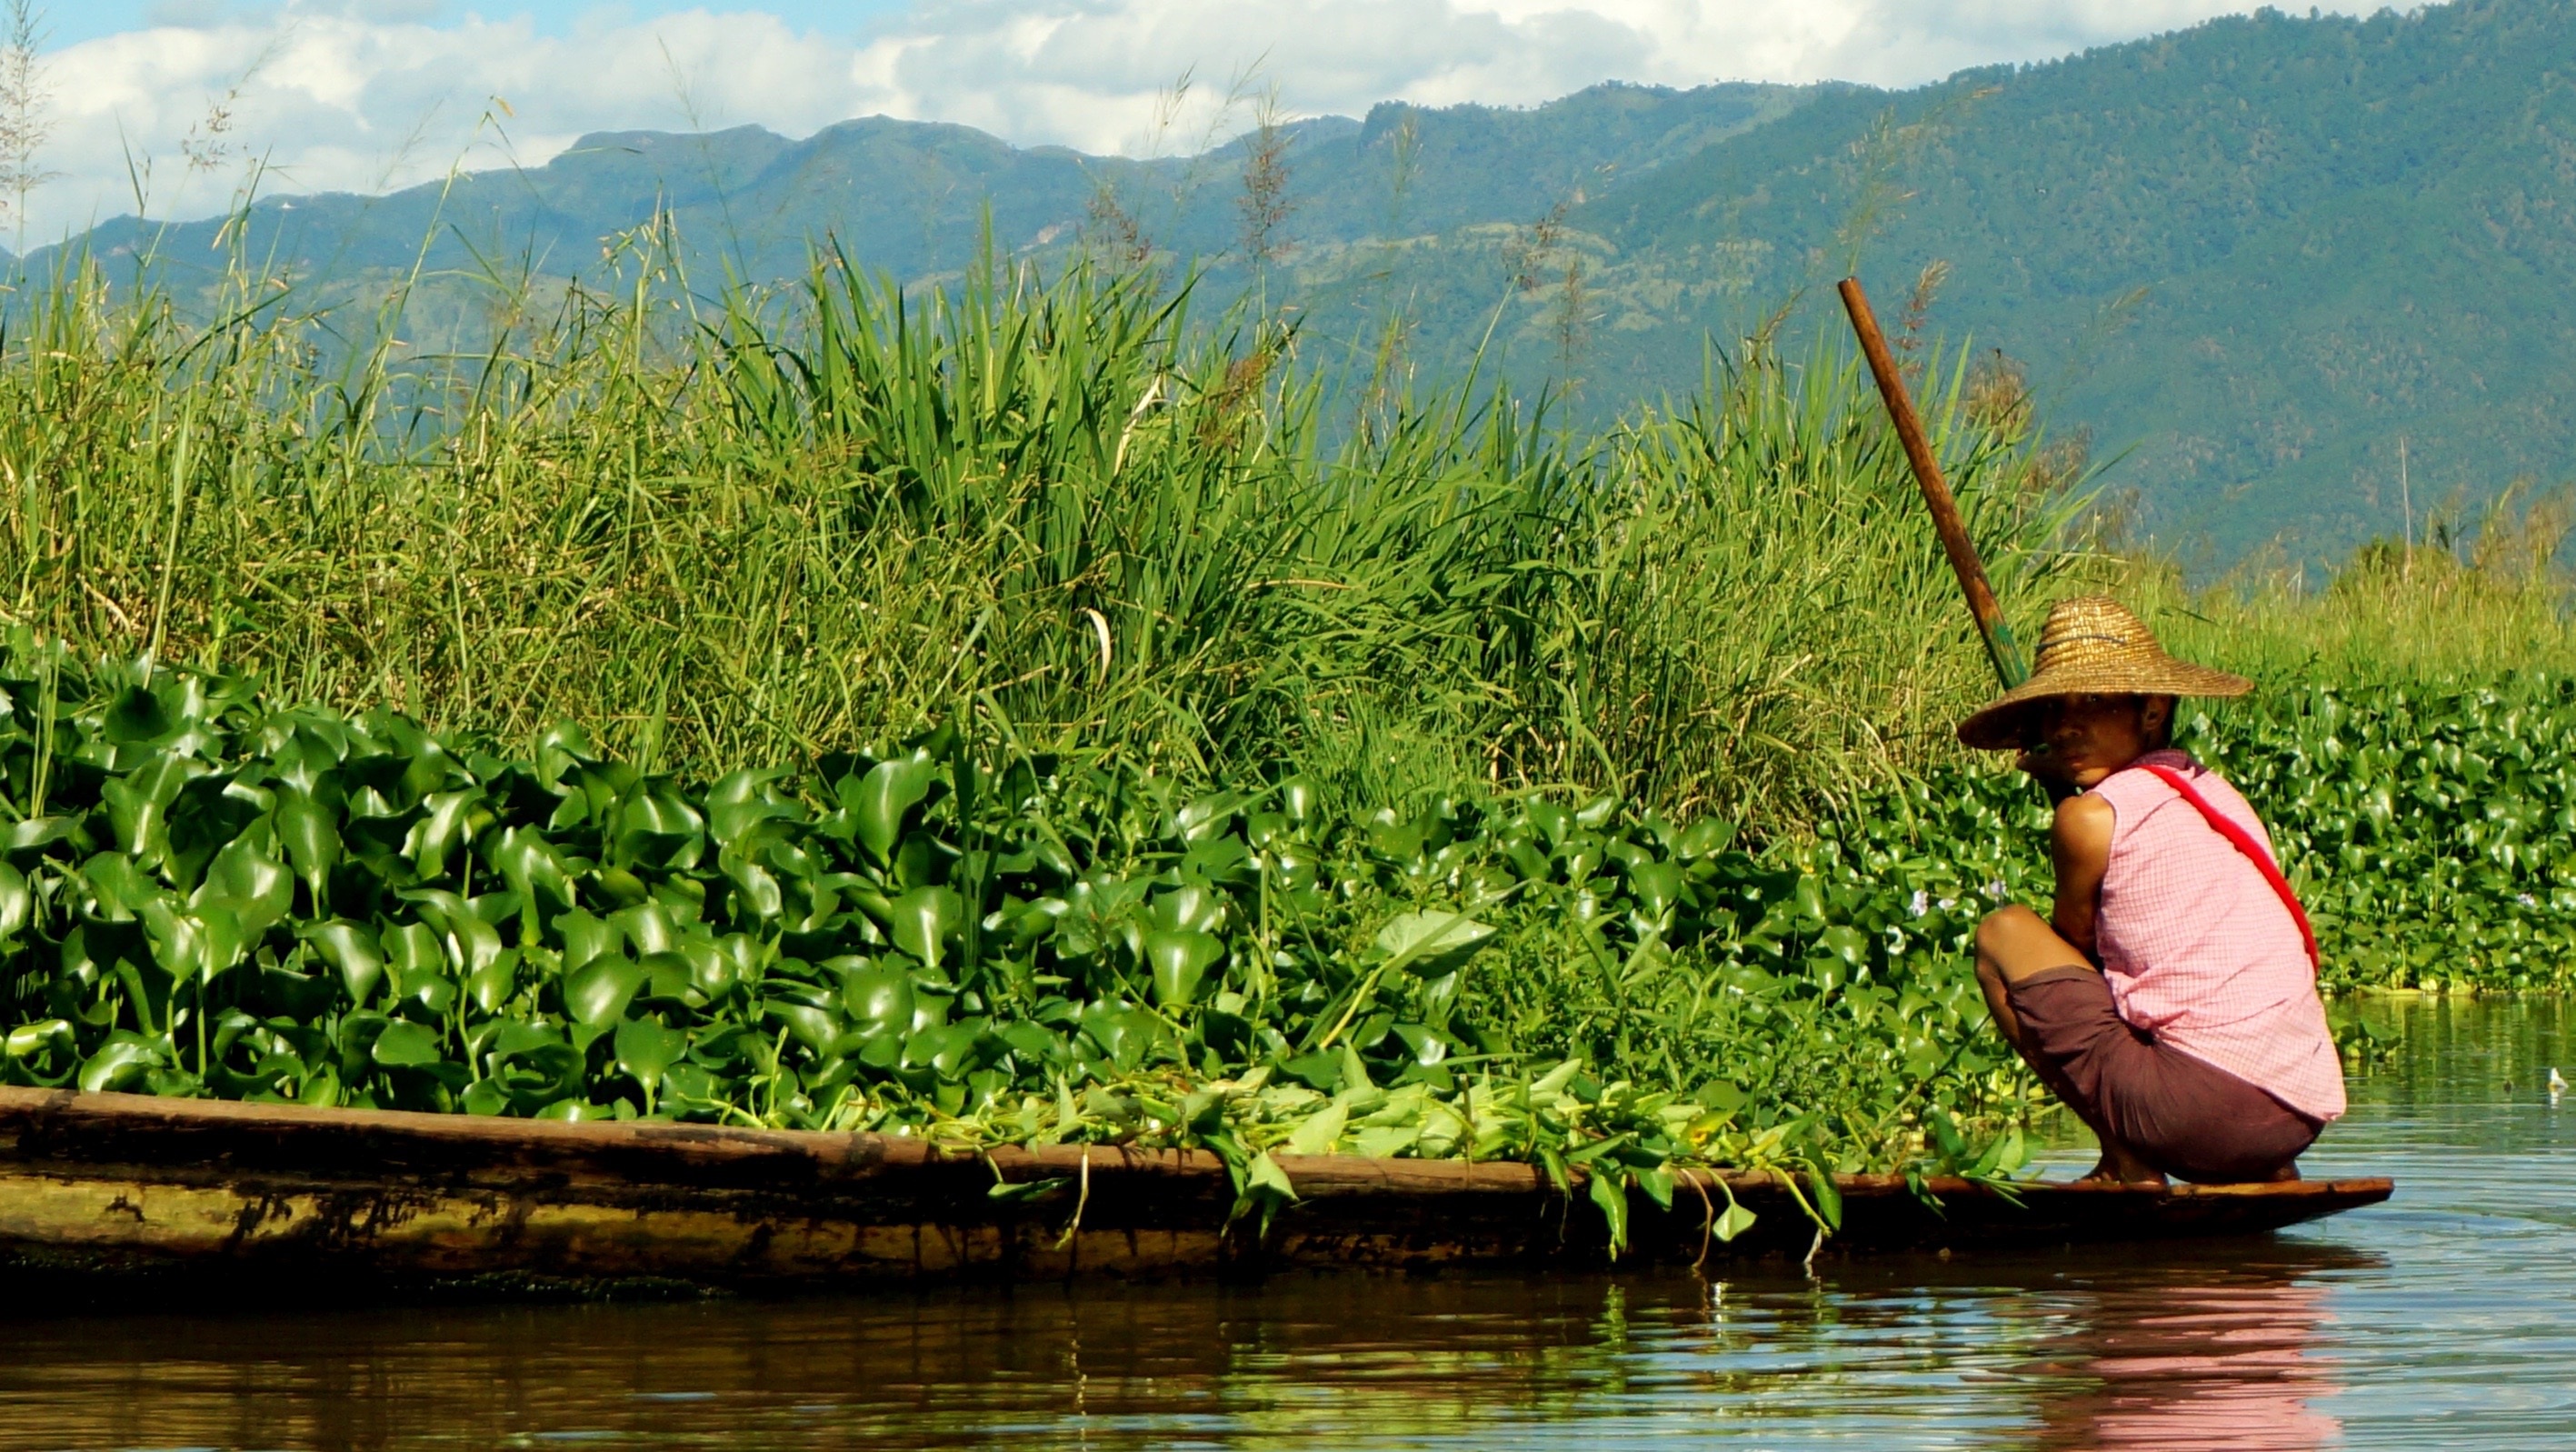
(2003, 927)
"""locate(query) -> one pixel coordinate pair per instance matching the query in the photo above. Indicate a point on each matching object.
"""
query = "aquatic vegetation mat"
(205, 894)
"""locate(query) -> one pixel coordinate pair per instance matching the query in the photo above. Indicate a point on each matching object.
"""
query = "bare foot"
(2121, 1169)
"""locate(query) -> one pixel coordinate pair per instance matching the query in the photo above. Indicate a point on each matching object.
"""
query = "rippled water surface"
(2446, 1318)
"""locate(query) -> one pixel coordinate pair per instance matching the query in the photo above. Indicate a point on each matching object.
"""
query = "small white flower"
(1948, 903)
(1922, 902)
(2526, 899)
(1995, 889)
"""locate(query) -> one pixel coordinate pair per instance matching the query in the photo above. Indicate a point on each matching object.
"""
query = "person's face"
(2079, 740)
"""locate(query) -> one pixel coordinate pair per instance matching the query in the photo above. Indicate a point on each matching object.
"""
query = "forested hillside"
(2248, 259)
(915, 199)
(2257, 254)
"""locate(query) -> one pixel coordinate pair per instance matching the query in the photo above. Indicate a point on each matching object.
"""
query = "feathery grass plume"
(1265, 203)
(24, 92)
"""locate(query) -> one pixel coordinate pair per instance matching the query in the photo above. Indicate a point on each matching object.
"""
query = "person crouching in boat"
(2170, 997)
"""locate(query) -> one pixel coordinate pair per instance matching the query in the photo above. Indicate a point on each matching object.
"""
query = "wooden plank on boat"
(118, 1181)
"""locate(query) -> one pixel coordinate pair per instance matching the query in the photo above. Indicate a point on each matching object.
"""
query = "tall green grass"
(783, 521)
(2461, 605)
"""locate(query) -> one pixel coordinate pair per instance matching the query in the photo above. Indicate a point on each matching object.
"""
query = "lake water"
(2446, 1318)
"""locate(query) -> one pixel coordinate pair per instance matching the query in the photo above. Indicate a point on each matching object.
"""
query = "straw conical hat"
(2093, 646)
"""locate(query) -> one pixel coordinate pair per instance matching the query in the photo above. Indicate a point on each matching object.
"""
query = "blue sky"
(205, 97)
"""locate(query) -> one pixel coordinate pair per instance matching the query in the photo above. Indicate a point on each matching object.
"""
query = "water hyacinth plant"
(202, 893)
(205, 894)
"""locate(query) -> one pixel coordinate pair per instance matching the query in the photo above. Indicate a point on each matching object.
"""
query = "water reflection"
(2439, 1320)
(2204, 1368)
(2064, 1350)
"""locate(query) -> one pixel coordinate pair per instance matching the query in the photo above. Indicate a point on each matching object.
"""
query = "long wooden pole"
(2000, 647)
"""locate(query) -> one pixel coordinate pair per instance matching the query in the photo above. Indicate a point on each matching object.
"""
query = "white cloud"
(367, 94)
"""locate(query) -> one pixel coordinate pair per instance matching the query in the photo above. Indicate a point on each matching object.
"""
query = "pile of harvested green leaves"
(205, 894)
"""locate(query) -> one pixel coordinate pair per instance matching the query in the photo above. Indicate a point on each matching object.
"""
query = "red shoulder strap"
(2243, 841)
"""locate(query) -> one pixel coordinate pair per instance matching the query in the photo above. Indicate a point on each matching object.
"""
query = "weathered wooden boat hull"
(126, 1182)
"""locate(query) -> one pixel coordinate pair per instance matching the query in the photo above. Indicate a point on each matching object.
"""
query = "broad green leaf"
(657, 827)
(138, 802)
(1427, 1046)
(756, 890)
(1316, 1134)
(476, 943)
(1189, 908)
(1658, 886)
(817, 1029)
(30, 1039)
(429, 987)
(526, 860)
(138, 716)
(17, 903)
(1266, 1185)
(1298, 798)
(256, 889)
(1733, 1221)
(350, 948)
(1179, 962)
(648, 928)
(200, 944)
(1658, 1184)
(1354, 1071)
(1430, 944)
(415, 948)
(464, 939)
(669, 978)
(321, 1088)
(921, 920)
(1704, 838)
(450, 821)
(596, 993)
(584, 936)
(560, 747)
(879, 999)
(647, 1050)
(489, 985)
(118, 888)
(1849, 944)
(119, 1064)
(1552, 1083)
(310, 833)
(713, 972)
(739, 804)
(884, 799)
(406, 1045)
(1609, 1193)
(37, 832)
(1807, 898)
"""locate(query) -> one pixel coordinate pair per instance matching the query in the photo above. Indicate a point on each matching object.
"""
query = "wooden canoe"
(93, 1183)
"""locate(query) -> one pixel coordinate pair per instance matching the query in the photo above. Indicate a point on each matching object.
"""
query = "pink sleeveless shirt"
(2198, 949)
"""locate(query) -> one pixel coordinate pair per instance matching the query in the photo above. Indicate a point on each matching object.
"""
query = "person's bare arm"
(2080, 842)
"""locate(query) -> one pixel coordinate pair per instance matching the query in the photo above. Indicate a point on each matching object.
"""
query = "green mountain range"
(2249, 259)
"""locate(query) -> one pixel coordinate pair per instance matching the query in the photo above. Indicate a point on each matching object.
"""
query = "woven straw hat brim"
(1997, 725)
